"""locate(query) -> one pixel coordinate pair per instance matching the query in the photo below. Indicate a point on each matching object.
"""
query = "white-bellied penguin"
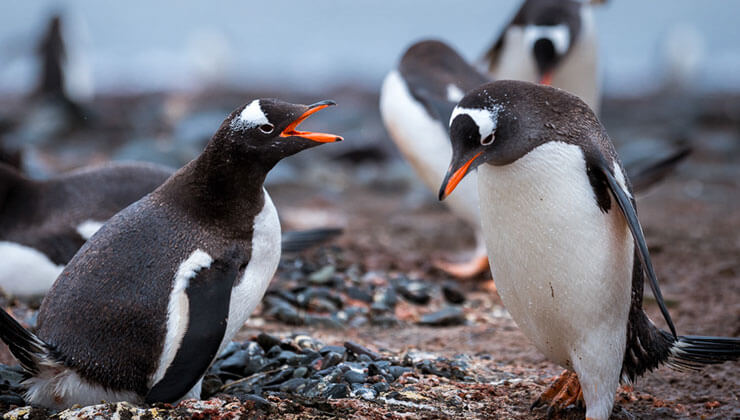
(565, 245)
(44, 222)
(551, 42)
(144, 307)
(416, 101)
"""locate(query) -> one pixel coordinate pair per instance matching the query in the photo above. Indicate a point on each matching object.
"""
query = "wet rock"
(322, 276)
(336, 391)
(415, 292)
(381, 387)
(448, 316)
(354, 377)
(453, 293)
(357, 293)
(358, 349)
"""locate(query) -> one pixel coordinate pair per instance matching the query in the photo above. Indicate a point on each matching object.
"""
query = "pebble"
(453, 293)
(448, 316)
(323, 275)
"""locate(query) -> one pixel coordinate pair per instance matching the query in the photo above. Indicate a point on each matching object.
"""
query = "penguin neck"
(221, 188)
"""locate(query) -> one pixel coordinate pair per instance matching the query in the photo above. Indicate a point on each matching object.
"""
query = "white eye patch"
(251, 116)
(486, 119)
(558, 34)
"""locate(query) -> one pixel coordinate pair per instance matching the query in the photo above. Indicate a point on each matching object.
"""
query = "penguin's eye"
(488, 140)
(266, 128)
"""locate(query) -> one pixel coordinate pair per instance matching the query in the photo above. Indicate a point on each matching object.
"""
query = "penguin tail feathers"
(693, 352)
(23, 344)
(301, 240)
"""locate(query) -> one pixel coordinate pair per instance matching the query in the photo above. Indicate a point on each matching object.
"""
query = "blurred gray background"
(142, 46)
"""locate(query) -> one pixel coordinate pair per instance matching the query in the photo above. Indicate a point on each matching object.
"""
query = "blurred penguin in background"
(552, 42)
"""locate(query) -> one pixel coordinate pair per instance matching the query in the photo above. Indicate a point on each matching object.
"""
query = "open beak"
(452, 178)
(290, 130)
(546, 79)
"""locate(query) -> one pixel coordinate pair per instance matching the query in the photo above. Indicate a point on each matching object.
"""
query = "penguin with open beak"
(552, 42)
(144, 307)
(565, 245)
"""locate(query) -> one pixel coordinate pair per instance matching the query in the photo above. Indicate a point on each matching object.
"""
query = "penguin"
(552, 42)
(44, 222)
(566, 248)
(416, 101)
(144, 307)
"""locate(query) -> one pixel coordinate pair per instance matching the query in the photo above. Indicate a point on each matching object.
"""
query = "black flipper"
(24, 345)
(630, 215)
(300, 240)
(208, 294)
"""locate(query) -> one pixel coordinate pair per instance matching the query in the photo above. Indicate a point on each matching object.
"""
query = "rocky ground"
(366, 327)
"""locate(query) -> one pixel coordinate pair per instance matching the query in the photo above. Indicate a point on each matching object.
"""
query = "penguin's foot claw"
(562, 394)
(463, 270)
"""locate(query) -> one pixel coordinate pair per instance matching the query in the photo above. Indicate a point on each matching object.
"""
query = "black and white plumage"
(44, 222)
(562, 233)
(416, 101)
(551, 42)
(148, 302)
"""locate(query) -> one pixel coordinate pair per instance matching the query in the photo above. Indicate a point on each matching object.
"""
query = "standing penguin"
(567, 250)
(144, 307)
(552, 42)
(416, 101)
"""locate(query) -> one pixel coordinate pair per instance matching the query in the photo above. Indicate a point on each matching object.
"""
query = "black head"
(550, 30)
(499, 122)
(265, 130)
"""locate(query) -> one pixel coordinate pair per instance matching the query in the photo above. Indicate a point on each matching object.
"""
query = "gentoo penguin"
(415, 103)
(566, 248)
(144, 307)
(44, 222)
(551, 42)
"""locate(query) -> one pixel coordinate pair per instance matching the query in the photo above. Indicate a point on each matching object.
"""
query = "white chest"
(562, 267)
(577, 73)
(425, 144)
(258, 273)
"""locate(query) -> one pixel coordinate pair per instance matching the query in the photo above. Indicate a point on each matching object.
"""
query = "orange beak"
(290, 130)
(546, 79)
(451, 181)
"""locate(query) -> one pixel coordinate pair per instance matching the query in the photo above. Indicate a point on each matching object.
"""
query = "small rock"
(414, 291)
(453, 293)
(300, 372)
(354, 377)
(448, 316)
(336, 391)
(381, 387)
(323, 275)
(358, 349)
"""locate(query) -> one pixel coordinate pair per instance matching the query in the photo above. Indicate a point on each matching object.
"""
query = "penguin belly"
(579, 71)
(25, 271)
(563, 268)
(425, 144)
(266, 248)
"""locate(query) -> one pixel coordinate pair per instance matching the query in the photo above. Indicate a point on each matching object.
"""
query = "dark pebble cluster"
(301, 365)
(324, 295)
